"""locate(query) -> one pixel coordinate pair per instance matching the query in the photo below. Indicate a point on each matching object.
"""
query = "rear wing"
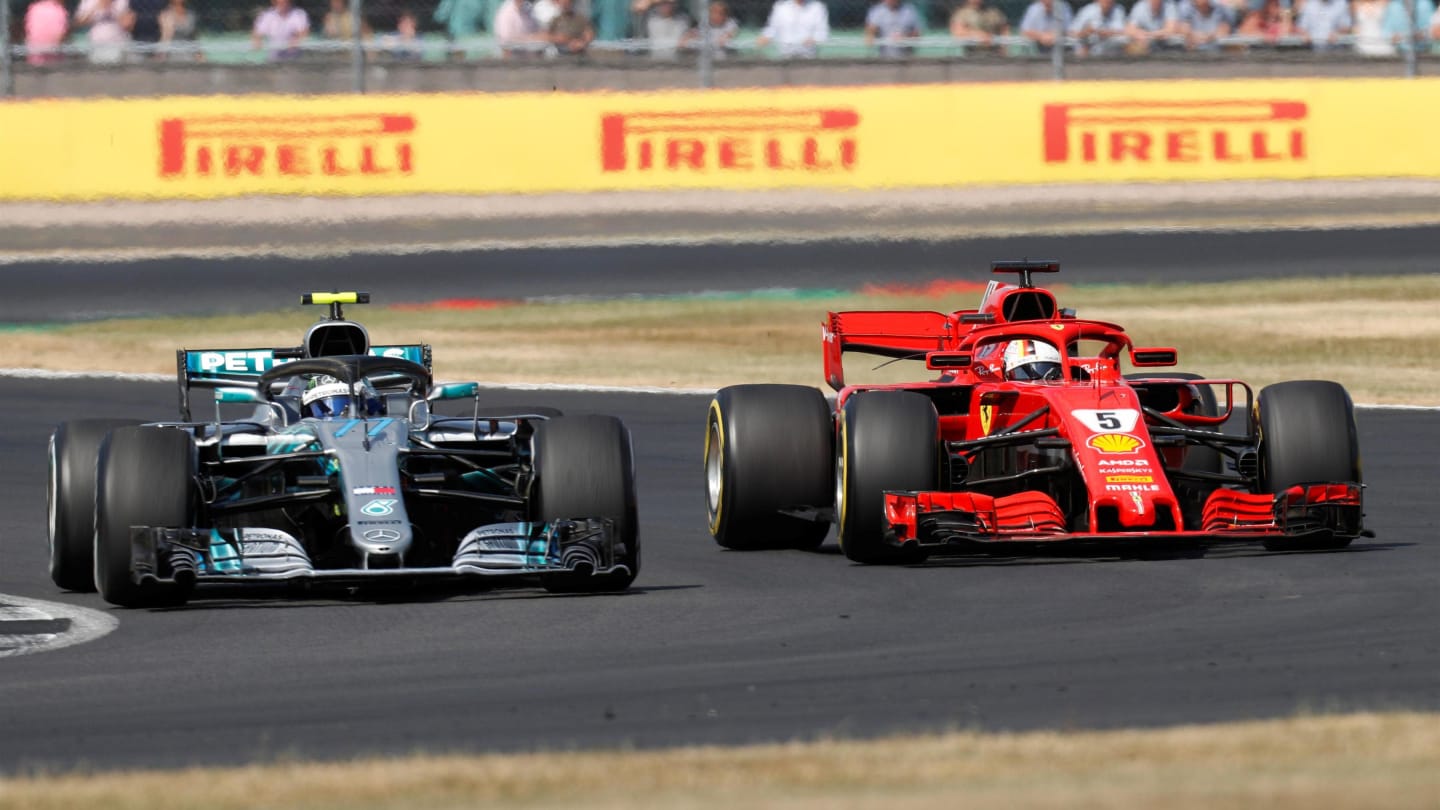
(241, 368)
(913, 334)
(887, 333)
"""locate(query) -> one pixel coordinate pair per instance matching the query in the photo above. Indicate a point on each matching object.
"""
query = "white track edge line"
(703, 238)
(121, 376)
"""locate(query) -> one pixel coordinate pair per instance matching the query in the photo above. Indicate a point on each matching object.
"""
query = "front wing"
(208, 556)
(940, 520)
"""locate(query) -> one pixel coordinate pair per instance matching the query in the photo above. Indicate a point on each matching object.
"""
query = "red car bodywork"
(1095, 456)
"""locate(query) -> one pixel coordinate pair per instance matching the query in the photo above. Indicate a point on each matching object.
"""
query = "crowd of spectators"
(109, 30)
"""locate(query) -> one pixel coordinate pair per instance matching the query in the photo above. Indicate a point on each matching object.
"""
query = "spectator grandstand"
(219, 33)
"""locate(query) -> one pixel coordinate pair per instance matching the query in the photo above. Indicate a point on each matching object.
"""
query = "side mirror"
(1153, 357)
(242, 395)
(939, 360)
(465, 390)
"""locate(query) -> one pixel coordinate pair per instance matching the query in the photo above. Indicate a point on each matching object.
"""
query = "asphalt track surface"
(721, 647)
(48, 291)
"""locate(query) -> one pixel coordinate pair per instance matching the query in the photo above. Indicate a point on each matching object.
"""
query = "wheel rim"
(714, 470)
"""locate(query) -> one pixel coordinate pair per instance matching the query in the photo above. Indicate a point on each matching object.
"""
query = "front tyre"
(146, 477)
(70, 499)
(767, 448)
(585, 468)
(889, 440)
(1307, 436)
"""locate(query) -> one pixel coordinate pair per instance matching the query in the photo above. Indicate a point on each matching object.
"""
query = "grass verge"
(1359, 760)
(1377, 336)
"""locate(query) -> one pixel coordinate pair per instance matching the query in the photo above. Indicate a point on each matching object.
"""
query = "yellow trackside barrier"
(865, 137)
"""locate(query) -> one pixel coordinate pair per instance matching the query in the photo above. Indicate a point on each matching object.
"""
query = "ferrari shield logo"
(987, 412)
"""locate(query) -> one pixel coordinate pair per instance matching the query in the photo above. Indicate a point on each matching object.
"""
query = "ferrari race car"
(345, 472)
(1028, 432)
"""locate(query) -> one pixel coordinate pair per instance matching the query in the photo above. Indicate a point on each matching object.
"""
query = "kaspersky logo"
(223, 146)
(1176, 132)
(819, 139)
(1115, 443)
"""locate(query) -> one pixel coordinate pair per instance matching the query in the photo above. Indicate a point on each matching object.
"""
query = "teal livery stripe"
(242, 362)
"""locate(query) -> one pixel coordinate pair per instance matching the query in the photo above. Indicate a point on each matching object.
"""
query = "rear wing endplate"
(886, 333)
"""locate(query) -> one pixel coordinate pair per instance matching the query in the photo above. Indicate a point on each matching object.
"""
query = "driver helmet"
(1032, 360)
(328, 398)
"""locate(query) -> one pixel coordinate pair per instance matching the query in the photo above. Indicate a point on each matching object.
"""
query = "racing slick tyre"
(768, 448)
(70, 498)
(146, 477)
(889, 440)
(1199, 458)
(585, 468)
(1307, 435)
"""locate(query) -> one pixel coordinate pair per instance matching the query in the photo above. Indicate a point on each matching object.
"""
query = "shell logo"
(1115, 443)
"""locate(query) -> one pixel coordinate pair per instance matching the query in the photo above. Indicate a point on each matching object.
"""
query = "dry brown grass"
(1378, 337)
(1360, 761)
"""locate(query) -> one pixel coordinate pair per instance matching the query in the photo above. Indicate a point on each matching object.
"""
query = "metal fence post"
(1057, 51)
(707, 56)
(357, 51)
(1412, 43)
(7, 78)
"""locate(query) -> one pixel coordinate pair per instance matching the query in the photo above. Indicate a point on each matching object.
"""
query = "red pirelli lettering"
(810, 139)
(1140, 132)
(362, 144)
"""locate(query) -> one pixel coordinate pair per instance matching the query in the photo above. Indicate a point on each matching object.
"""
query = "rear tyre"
(767, 448)
(146, 477)
(889, 440)
(1307, 435)
(584, 468)
(70, 499)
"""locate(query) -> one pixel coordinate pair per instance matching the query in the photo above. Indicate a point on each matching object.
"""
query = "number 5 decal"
(1120, 420)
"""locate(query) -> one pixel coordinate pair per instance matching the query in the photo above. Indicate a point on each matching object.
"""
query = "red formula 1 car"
(1029, 432)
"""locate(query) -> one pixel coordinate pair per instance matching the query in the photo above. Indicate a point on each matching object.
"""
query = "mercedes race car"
(345, 471)
(1029, 431)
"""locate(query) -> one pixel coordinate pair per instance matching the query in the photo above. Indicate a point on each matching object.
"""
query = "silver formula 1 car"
(344, 472)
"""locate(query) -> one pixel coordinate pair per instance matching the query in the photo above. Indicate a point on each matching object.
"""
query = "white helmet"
(1032, 360)
(329, 398)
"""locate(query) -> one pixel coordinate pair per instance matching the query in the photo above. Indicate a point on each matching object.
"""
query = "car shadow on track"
(1228, 552)
(1091, 554)
(253, 598)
